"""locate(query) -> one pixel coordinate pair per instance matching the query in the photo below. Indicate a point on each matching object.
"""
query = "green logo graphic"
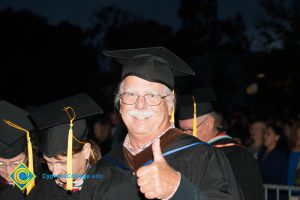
(22, 176)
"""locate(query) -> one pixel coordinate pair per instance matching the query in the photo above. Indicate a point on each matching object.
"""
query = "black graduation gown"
(205, 174)
(47, 189)
(8, 192)
(245, 168)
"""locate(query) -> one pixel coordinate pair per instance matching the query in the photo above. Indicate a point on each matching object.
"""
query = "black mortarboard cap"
(203, 98)
(155, 64)
(54, 122)
(12, 140)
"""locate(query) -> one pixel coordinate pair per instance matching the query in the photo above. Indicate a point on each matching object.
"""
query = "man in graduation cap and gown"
(156, 160)
(69, 153)
(196, 116)
(14, 138)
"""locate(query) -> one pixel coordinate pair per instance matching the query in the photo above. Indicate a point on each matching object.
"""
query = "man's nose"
(140, 103)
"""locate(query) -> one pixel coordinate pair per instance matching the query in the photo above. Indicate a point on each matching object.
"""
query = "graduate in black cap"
(196, 116)
(15, 148)
(70, 155)
(156, 160)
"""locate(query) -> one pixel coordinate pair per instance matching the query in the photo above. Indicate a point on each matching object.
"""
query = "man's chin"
(141, 131)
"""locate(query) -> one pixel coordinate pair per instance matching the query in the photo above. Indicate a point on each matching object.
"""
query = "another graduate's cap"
(64, 126)
(155, 64)
(14, 135)
(198, 102)
(54, 121)
(13, 140)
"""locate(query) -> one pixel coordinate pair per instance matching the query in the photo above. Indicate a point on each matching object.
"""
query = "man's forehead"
(135, 84)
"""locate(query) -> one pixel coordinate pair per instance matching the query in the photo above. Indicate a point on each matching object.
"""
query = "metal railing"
(291, 190)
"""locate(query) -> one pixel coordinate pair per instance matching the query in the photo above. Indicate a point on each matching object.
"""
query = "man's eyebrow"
(133, 90)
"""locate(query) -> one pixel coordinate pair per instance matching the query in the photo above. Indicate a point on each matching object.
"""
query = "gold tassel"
(30, 154)
(173, 112)
(195, 118)
(69, 150)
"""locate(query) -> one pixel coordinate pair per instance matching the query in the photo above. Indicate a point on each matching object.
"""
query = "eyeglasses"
(12, 164)
(189, 130)
(130, 98)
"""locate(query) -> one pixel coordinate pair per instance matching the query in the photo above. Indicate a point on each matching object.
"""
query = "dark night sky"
(80, 12)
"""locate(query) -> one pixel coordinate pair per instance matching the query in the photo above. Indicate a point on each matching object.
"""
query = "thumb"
(156, 150)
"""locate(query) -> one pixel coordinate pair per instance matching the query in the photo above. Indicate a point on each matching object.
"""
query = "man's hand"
(158, 180)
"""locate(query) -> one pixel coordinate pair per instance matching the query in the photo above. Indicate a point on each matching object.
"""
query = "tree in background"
(280, 26)
(202, 32)
(279, 29)
(41, 62)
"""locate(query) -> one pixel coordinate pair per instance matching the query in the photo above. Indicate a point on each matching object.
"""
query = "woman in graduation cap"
(66, 149)
(15, 148)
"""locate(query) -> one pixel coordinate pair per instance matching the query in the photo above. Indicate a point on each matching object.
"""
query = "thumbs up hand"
(158, 180)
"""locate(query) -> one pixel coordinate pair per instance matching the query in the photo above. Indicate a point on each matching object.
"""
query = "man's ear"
(171, 104)
(210, 122)
(86, 150)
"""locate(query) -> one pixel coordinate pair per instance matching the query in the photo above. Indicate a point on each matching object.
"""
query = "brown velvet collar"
(136, 161)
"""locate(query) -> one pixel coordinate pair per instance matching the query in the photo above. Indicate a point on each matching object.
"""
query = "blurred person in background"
(256, 130)
(102, 133)
(118, 129)
(273, 159)
(287, 128)
(294, 144)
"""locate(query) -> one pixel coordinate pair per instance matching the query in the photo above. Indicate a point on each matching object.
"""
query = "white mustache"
(141, 115)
